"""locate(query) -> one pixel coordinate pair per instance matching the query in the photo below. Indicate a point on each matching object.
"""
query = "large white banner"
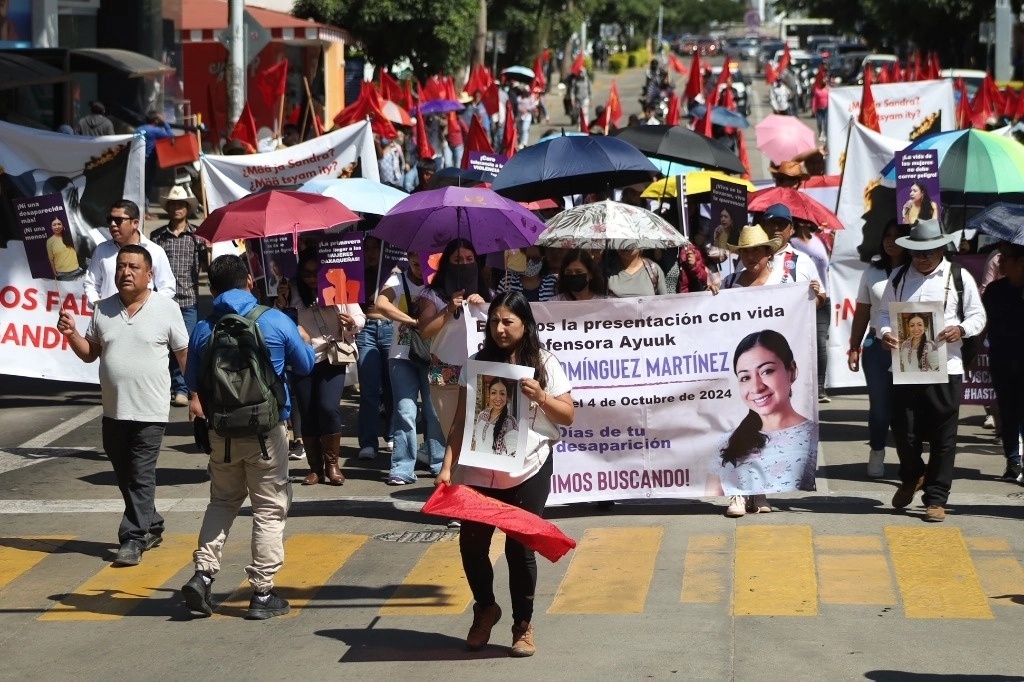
(865, 206)
(658, 397)
(229, 178)
(89, 174)
(906, 111)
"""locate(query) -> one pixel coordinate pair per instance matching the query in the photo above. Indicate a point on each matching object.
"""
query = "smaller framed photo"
(919, 357)
(497, 416)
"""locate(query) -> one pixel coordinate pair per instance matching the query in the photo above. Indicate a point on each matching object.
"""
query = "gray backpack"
(241, 393)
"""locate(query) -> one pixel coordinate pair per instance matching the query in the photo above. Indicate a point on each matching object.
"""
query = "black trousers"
(1008, 381)
(133, 448)
(930, 413)
(475, 543)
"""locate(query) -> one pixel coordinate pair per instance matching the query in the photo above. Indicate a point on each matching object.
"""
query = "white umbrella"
(357, 194)
(610, 225)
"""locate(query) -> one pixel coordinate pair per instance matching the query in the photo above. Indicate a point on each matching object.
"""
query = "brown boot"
(484, 619)
(330, 445)
(315, 457)
(522, 641)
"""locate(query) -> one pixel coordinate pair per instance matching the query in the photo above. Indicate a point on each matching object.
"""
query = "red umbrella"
(272, 213)
(799, 204)
(395, 113)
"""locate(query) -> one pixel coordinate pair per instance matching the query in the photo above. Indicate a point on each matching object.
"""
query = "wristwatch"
(963, 334)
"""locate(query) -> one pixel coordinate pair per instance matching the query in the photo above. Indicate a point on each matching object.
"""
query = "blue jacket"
(154, 133)
(280, 333)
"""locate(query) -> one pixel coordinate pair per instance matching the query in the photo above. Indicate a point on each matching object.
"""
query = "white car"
(876, 62)
(972, 78)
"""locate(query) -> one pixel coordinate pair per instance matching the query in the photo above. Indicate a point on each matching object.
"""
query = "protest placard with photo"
(49, 243)
(280, 262)
(340, 280)
(919, 358)
(496, 416)
(728, 216)
(917, 185)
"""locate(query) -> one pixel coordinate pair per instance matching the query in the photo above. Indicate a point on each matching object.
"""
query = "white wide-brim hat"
(925, 235)
(178, 193)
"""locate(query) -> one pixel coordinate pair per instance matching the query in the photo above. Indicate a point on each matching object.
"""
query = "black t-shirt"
(1004, 306)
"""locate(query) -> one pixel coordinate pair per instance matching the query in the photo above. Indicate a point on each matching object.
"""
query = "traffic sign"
(254, 37)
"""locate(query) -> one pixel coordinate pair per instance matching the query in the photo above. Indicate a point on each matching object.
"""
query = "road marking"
(774, 572)
(999, 572)
(65, 427)
(852, 570)
(11, 461)
(18, 555)
(436, 586)
(610, 572)
(707, 569)
(821, 484)
(935, 574)
(113, 592)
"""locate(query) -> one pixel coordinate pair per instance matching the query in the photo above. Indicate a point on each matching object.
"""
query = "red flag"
(491, 99)
(1018, 113)
(367, 107)
(672, 117)
(389, 87)
(422, 141)
(1009, 102)
(994, 96)
(578, 65)
(510, 135)
(741, 151)
(819, 77)
(769, 74)
(480, 79)
(613, 108)
(724, 78)
(934, 66)
(785, 60)
(462, 502)
(214, 126)
(272, 82)
(432, 89)
(245, 129)
(318, 125)
(695, 84)
(539, 83)
(449, 89)
(895, 73)
(476, 141)
(963, 106)
(883, 75)
(295, 116)
(676, 64)
(981, 108)
(705, 124)
(868, 116)
(916, 65)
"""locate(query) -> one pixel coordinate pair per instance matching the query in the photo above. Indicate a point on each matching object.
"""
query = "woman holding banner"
(319, 394)
(774, 448)
(60, 248)
(511, 337)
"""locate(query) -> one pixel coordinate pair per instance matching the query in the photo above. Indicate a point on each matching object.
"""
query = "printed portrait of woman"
(60, 249)
(496, 427)
(774, 448)
(920, 205)
(918, 353)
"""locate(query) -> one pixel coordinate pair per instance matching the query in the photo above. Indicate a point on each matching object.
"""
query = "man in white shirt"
(123, 221)
(929, 412)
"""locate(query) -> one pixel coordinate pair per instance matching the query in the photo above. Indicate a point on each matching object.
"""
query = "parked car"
(848, 70)
(876, 62)
(972, 78)
(685, 45)
(744, 49)
(708, 46)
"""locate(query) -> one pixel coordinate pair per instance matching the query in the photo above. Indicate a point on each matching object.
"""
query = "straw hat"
(791, 169)
(753, 236)
(465, 97)
(925, 235)
(178, 193)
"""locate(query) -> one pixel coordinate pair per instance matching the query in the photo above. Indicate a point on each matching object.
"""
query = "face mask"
(576, 283)
(461, 278)
(533, 268)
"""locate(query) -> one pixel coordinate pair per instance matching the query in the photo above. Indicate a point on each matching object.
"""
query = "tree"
(434, 36)
(699, 15)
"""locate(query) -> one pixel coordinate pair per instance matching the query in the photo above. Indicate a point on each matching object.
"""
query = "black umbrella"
(451, 176)
(675, 143)
(572, 164)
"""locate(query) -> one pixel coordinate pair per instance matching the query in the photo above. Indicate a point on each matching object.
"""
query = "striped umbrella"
(395, 113)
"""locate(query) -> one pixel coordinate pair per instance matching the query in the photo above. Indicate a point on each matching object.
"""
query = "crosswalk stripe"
(310, 561)
(1001, 575)
(610, 572)
(707, 569)
(774, 572)
(436, 586)
(852, 570)
(113, 592)
(19, 555)
(935, 574)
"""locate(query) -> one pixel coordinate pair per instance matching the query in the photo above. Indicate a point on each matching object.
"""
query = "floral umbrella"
(610, 225)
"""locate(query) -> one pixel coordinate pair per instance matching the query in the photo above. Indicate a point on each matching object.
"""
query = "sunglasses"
(925, 254)
(117, 219)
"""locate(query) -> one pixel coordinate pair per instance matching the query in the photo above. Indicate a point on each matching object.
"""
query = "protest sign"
(657, 398)
(497, 415)
(917, 185)
(49, 244)
(280, 262)
(340, 279)
(918, 358)
(488, 163)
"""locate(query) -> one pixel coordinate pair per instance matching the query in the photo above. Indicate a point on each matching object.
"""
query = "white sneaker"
(391, 446)
(758, 504)
(990, 422)
(737, 507)
(876, 464)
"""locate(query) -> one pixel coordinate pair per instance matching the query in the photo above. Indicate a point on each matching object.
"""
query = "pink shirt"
(819, 99)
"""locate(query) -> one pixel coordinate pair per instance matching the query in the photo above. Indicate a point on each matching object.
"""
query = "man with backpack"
(930, 412)
(240, 354)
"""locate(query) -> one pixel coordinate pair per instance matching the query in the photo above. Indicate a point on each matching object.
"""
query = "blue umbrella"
(357, 194)
(439, 106)
(1004, 221)
(572, 165)
(520, 73)
(721, 116)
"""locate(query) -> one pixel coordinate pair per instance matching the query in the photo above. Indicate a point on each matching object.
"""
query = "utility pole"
(1003, 41)
(661, 19)
(236, 61)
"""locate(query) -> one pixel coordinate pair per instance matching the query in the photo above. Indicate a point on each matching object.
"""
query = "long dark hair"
(528, 352)
(65, 233)
(437, 284)
(884, 262)
(926, 212)
(598, 285)
(499, 423)
(748, 438)
(307, 294)
(924, 340)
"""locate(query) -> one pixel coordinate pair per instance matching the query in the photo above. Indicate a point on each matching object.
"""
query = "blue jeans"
(374, 344)
(457, 152)
(317, 398)
(875, 361)
(190, 315)
(409, 381)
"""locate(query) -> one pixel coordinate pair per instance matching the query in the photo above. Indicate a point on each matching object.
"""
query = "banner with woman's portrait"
(496, 416)
(919, 357)
(684, 395)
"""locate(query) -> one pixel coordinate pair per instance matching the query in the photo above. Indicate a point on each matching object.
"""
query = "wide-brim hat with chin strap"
(178, 193)
(924, 236)
(753, 236)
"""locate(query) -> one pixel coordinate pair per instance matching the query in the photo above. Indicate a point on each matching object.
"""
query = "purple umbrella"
(427, 221)
(439, 106)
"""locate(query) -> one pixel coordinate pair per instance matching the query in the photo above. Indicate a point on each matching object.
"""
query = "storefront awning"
(131, 64)
(201, 20)
(19, 71)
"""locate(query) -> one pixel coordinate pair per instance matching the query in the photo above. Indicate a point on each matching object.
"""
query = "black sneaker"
(150, 541)
(1012, 473)
(129, 554)
(197, 594)
(263, 606)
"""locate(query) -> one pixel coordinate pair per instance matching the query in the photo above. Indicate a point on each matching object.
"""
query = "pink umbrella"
(395, 113)
(781, 138)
